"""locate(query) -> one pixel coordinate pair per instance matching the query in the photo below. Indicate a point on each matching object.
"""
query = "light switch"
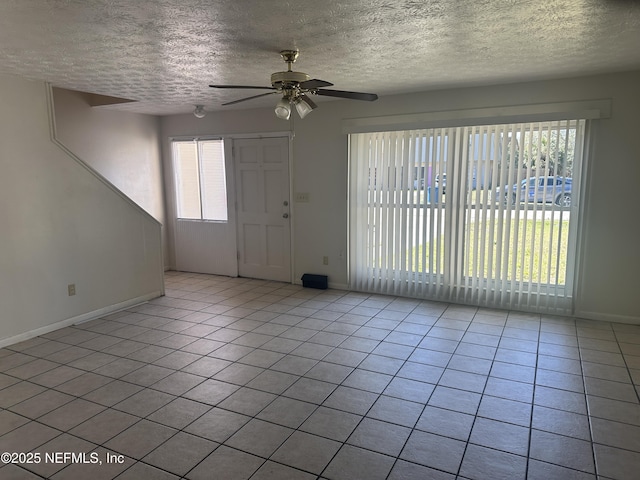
(301, 197)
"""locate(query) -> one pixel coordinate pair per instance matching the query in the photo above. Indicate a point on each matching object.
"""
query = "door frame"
(232, 201)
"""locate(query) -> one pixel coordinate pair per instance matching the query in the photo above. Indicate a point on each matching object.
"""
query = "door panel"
(249, 201)
(262, 190)
(275, 238)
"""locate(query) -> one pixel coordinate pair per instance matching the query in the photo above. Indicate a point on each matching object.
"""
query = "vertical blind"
(201, 190)
(483, 215)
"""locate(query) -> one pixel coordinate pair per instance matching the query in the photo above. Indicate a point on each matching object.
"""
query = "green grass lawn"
(539, 256)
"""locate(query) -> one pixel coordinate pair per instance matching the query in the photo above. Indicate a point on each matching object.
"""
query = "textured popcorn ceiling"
(164, 53)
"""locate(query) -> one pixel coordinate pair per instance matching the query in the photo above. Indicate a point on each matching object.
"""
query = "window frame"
(200, 181)
(454, 282)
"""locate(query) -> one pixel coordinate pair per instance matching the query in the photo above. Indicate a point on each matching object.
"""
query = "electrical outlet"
(325, 260)
(71, 289)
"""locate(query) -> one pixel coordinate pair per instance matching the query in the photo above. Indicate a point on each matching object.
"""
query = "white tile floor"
(235, 379)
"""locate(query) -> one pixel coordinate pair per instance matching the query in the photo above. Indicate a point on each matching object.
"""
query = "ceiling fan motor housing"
(287, 80)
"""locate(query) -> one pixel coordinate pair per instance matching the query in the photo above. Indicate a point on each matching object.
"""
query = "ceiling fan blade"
(249, 98)
(315, 83)
(242, 86)
(369, 97)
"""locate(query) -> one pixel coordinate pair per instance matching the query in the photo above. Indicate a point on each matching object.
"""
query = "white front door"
(263, 200)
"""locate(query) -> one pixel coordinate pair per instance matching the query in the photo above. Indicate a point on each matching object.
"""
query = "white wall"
(123, 147)
(60, 224)
(610, 267)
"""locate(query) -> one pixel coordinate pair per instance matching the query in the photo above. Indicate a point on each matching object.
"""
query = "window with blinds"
(201, 189)
(483, 215)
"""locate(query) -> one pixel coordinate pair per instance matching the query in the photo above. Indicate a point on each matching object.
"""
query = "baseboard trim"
(331, 285)
(608, 317)
(85, 317)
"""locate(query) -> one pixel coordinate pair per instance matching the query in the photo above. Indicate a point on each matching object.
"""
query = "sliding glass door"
(483, 215)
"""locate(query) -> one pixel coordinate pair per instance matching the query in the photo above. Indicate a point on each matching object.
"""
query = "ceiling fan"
(295, 88)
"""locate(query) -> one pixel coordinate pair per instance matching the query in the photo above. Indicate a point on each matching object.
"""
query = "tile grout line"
(533, 398)
(475, 417)
(626, 364)
(586, 400)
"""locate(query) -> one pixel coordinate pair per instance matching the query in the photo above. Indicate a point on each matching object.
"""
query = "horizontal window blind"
(479, 214)
(214, 185)
(187, 177)
(201, 190)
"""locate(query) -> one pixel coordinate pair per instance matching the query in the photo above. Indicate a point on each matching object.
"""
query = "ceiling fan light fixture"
(199, 111)
(304, 105)
(283, 109)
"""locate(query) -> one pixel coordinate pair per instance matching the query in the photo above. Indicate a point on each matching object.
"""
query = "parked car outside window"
(539, 189)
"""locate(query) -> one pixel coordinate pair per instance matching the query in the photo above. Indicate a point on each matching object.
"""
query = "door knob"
(285, 215)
